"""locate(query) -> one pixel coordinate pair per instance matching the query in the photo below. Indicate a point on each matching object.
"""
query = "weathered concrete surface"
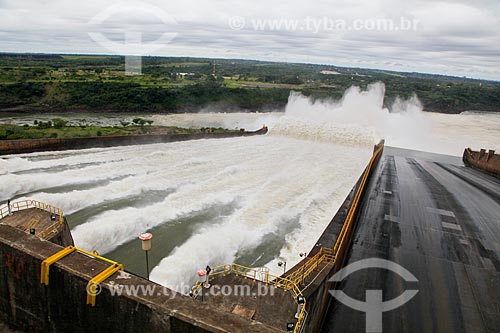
(29, 146)
(486, 161)
(41, 221)
(61, 306)
(428, 217)
(64, 237)
(265, 303)
(6, 329)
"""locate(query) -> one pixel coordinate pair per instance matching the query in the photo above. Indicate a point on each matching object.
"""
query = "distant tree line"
(133, 96)
(54, 82)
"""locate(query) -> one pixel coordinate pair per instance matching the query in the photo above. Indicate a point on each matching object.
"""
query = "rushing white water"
(287, 184)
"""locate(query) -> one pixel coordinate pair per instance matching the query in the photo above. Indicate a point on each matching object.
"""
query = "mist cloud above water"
(359, 117)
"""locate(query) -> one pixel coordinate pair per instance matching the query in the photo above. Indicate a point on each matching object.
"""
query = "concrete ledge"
(61, 306)
(487, 161)
(35, 145)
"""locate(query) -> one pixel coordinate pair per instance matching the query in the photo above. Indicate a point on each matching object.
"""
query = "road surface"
(440, 221)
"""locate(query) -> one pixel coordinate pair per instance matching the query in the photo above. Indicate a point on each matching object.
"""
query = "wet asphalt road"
(440, 221)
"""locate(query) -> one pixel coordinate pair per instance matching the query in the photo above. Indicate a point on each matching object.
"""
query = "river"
(254, 200)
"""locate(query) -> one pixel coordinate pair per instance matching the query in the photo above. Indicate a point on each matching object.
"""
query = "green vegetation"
(98, 83)
(57, 129)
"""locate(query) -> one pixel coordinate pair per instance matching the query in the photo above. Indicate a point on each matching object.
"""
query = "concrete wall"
(64, 237)
(317, 292)
(27, 305)
(486, 161)
(35, 145)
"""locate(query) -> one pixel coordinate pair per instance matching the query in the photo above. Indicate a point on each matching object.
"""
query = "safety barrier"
(94, 284)
(253, 273)
(349, 221)
(33, 223)
(27, 204)
(304, 271)
(324, 255)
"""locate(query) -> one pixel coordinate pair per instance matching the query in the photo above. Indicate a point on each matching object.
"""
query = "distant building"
(328, 72)
(183, 75)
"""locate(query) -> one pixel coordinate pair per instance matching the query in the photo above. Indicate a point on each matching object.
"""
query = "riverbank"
(8, 147)
(59, 128)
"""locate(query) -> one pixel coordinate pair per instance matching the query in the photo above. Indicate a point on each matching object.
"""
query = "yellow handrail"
(26, 204)
(300, 275)
(44, 274)
(248, 272)
(346, 227)
(93, 284)
(33, 223)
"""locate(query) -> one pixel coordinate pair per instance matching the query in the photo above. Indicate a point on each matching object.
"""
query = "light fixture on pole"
(146, 246)
(282, 264)
(208, 269)
(300, 303)
(202, 277)
(303, 255)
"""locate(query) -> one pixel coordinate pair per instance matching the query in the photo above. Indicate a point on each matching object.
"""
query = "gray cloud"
(452, 37)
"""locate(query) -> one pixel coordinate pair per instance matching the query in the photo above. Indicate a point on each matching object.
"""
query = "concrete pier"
(40, 219)
(53, 144)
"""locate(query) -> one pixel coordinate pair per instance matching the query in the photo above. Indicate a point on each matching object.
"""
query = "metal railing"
(349, 221)
(94, 284)
(254, 274)
(304, 271)
(27, 204)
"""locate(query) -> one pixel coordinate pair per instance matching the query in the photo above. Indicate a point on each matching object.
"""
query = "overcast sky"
(448, 37)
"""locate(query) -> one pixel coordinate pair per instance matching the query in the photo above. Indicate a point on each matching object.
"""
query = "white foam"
(302, 169)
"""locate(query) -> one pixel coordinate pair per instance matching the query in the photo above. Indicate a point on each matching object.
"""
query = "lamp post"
(282, 264)
(208, 269)
(202, 278)
(146, 246)
(300, 302)
(303, 255)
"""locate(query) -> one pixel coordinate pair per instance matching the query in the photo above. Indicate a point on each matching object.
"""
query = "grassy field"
(13, 132)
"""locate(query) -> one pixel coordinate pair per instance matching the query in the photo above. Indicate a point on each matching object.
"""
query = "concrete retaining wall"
(64, 237)
(317, 292)
(27, 305)
(29, 146)
(486, 161)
